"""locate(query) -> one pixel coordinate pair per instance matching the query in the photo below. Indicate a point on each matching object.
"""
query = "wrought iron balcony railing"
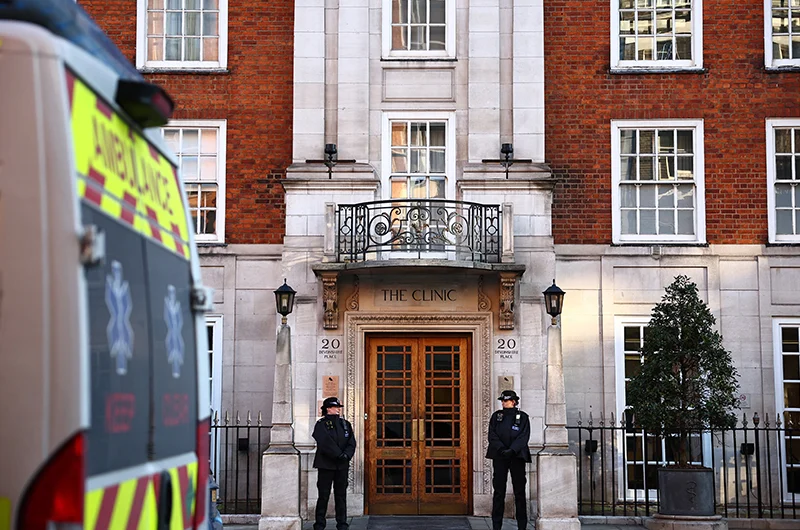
(419, 228)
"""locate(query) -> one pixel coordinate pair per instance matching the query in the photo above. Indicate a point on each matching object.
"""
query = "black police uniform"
(336, 445)
(509, 432)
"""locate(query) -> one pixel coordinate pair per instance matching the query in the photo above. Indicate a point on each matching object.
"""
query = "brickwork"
(254, 96)
(734, 96)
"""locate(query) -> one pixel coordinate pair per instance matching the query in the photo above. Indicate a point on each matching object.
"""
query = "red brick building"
(228, 66)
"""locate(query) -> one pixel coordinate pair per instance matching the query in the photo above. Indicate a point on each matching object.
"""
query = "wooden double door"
(418, 424)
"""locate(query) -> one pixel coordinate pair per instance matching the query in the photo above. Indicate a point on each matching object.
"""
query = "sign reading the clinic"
(410, 296)
(330, 349)
(506, 348)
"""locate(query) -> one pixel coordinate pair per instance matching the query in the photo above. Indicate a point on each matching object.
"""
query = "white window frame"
(215, 400)
(699, 171)
(221, 126)
(696, 63)
(449, 51)
(769, 59)
(386, 152)
(620, 323)
(141, 44)
(773, 124)
(780, 407)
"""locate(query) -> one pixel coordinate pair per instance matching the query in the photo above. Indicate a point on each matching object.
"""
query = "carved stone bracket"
(352, 301)
(330, 300)
(508, 283)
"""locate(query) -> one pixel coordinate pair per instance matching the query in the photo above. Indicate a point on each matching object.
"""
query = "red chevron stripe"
(97, 176)
(92, 195)
(106, 508)
(156, 232)
(183, 479)
(138, 501)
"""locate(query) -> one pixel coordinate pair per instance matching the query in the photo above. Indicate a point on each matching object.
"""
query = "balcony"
(419, 229)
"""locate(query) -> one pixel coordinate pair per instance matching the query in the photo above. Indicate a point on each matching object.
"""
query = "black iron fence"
(236, 448)
(756, 466)
(418, 228)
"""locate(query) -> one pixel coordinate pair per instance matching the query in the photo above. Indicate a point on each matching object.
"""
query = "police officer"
(509, 431)
(336, 445)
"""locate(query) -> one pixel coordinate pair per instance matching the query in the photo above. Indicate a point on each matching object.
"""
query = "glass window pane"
(683, 48)
(644, 24)
(208, 196)
(789, 339)
(399, 161)
(155, 4)
(399, 134)
(627, 168)
(628, 219)
(155, 23)
(683, 21)
(399, 188)
(627, 141)
(419, 13)
(399, 38)
(666, 196)
(173, 49)
(783, 140)
(211, 24)
(155, 49)
(783, 222)
(437, 161)
(419, 188)
(685, 167)
(783, 196)
(172, 138)
(783, 167)
(190, 141)
(627, 49)
(418, 38)
(437, 188)
(208, 168)
(191, 4)
(627, 19)
(627, 196)
(685, 143)
(666, 222)
(437, 38)
(419, 162)
(685, 196)
(646, 168)
(791, 367)
(666, 168)
(795, 46)
(685, 222)
(647, 196)
(632, 338)
(173, 4)
(626, 4)
(189, 168)
(645, 52)
(647, 219)
(780, 21)
(780, 47)
(438, 11)
(666, 141)
(791, 395)
(663, 21)
(210, 4)
(437, 134)
(646, 141)
(211, 49)
(208, 141)
(399, 11)
(664, 49)
(192, 49)
(419, 136)
(174, 23)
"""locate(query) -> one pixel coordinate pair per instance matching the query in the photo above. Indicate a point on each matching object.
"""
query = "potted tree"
(687, 385)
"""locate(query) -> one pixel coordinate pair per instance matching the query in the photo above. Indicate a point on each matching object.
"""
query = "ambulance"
(104, 416)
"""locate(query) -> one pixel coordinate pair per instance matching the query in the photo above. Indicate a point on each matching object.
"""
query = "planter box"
(686, 491)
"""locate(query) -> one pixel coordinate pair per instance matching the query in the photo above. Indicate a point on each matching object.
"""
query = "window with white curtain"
(419, 28)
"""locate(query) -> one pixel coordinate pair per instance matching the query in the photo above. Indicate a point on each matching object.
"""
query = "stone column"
(556, 477)
(280, 490)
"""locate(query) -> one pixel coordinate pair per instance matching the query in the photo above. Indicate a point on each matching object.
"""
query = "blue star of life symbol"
(174, 320)
(120, 306)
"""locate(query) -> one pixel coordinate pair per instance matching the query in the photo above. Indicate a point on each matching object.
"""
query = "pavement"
(434, 523)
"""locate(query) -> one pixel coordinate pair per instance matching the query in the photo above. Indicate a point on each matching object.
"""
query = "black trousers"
(499, 479)
(326, 477)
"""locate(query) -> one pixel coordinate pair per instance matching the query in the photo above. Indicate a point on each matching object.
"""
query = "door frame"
(357, 324)
(420, 338)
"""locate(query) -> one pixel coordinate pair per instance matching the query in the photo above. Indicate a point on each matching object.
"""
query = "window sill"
(782, 69)
(785, 244)
(661, 244)
(209, 244)
(187, 71)
(419, 60)
(656, 70)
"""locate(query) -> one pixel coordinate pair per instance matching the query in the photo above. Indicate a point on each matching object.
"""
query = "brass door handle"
(414, 432)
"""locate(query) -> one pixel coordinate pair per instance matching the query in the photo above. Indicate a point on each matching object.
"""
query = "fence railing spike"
(777, 420)
(249, 419)
(238, 418)
(580, 419)
(259, 418)
(744, 420)
(591, 418)
(227, 417)
(216, 417)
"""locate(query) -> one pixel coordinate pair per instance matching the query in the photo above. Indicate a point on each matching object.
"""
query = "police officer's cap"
(506, 395)
(331, 402)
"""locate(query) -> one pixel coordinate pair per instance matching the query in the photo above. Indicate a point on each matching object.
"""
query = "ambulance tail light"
(148, 104)
(201, 506)
(54, 499)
